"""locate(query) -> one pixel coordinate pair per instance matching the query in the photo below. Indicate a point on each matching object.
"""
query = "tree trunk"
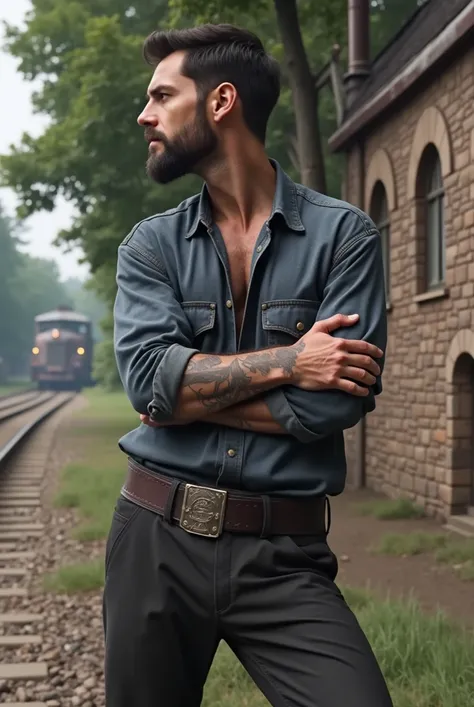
(305, 97)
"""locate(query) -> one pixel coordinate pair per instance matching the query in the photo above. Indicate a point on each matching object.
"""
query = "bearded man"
(250, 329)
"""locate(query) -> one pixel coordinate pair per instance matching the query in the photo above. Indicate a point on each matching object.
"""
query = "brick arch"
(459, 490)
(431, 128)
(463, 343)
(380, 169)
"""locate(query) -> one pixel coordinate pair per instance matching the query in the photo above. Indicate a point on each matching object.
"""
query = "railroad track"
(23, 457)
(23, 391)
(22, 402)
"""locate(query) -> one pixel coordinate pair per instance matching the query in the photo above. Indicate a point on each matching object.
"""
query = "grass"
(399, 544)
(69, 579)
(458, 553)
(15, 387)
(388, 509)
(427, 660)
(92, 484)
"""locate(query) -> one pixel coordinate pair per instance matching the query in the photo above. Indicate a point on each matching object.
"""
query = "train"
(62, 353)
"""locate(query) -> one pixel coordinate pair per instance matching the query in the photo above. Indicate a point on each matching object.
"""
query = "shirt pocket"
(202, 317)
(286, 321)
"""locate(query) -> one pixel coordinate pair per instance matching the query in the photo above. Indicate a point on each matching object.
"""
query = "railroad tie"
(14, 618)
(20, 640)
(23, 671)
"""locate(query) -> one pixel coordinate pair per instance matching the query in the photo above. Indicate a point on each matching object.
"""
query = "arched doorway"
(462, 461)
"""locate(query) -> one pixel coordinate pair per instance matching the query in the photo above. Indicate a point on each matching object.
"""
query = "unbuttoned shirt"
(314, 257)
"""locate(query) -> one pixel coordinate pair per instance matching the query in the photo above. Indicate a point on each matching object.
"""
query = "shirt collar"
(285, 203)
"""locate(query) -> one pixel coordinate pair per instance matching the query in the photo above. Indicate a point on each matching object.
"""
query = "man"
(249, 332)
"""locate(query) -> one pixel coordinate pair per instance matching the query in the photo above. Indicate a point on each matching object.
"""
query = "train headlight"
(55, 333)
(35, 350)
(81, 351)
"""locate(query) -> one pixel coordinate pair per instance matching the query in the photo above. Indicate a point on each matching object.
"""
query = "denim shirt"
(314, 257)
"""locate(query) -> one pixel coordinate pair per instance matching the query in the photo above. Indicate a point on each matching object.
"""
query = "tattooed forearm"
(212, 382)
(252, 415)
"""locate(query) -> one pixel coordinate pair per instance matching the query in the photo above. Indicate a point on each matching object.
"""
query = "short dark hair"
(219, 53)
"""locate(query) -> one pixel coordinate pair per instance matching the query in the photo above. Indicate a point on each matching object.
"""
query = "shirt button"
(228, 304)
(259, 249)
(231, 452)
(300, 326)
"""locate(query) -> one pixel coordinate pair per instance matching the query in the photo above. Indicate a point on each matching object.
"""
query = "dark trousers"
(170, 597)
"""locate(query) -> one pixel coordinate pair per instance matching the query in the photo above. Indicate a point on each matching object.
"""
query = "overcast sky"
(16, 117)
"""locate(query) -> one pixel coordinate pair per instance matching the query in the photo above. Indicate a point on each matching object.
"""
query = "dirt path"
(433, 585)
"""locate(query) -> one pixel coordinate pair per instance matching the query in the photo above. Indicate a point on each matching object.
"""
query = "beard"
(181, 154)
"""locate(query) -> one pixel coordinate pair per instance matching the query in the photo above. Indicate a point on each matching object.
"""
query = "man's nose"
(147, 118)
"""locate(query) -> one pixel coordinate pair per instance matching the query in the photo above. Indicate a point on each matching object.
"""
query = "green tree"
(41, 289)
(28, 286)
(87, 56)
(86, 301)
(307, 31)
(10, 294)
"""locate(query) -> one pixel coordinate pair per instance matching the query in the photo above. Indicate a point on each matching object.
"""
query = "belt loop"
(267, 517)
(168, 510)
(327, 506)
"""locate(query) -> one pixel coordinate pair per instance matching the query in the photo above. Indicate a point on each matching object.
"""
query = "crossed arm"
(252, 415)
(227, 390)
(172, 383)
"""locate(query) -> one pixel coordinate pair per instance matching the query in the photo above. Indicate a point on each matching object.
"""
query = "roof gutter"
(433, 52)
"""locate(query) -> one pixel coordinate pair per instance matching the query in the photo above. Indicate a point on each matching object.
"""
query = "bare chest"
(239, 255)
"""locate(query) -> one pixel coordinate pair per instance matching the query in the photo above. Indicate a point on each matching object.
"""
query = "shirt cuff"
(283, 413)
(167, 381)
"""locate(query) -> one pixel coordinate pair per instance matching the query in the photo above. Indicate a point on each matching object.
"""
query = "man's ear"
(222, 101)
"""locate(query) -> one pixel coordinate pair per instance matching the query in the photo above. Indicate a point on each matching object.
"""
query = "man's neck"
(241, 187)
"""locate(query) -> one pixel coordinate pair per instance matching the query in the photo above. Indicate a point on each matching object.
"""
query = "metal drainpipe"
(358, 26)
(361, 427)
(357, 72)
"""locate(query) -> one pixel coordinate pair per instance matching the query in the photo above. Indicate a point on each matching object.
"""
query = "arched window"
(379, 214)
(431, 201)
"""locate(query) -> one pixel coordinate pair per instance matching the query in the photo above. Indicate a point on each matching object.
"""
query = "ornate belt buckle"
(203, 510)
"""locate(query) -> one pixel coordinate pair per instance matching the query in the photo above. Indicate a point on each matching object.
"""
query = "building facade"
(408, 134)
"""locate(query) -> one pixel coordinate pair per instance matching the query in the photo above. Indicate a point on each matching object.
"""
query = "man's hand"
(146, 421)
(324, 361)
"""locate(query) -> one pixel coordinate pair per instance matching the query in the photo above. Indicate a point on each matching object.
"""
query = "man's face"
(175, 122)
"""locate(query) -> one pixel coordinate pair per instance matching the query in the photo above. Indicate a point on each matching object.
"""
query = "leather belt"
(209, 511)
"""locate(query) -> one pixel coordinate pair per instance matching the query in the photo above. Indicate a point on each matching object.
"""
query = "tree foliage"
(87, 56)
(28, 286)
(10, 299)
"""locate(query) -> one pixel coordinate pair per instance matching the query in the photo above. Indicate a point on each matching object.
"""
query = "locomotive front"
(62, 352)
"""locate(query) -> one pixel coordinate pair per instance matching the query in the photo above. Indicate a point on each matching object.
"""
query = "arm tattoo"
(218, 382)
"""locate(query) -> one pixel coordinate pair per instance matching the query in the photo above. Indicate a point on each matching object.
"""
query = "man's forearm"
(252, 415)
(212, 383)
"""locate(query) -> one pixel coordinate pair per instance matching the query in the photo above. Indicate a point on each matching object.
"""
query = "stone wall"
(417, 440)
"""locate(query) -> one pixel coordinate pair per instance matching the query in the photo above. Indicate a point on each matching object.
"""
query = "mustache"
(150, 135)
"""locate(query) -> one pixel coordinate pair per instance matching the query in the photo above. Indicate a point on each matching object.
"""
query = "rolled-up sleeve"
(152, 335)
(355, 286)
